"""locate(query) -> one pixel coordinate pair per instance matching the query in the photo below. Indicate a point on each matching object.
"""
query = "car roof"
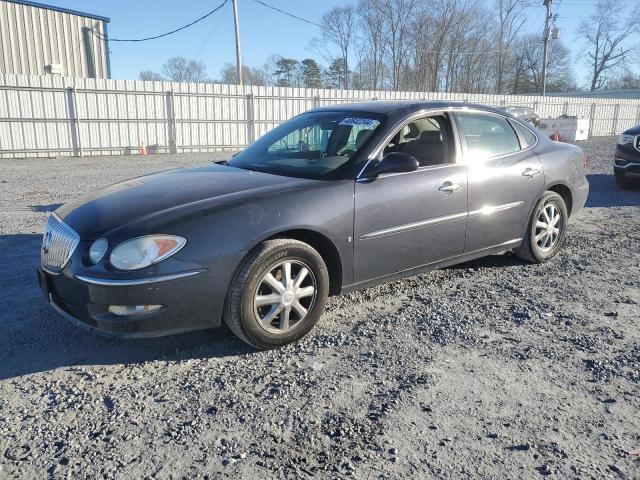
(396, 107)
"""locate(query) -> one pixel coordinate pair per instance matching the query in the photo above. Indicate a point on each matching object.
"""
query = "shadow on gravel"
(34, 338)
(603, 192)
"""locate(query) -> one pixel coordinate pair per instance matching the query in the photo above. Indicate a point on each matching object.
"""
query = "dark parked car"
(626, 165)
(526, 114)
(334, 200)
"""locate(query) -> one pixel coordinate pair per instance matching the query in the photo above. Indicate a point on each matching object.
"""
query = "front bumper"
(627, 168)
(190, 301)
(627, 160)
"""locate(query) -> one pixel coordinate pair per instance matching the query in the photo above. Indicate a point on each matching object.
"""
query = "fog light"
(97, 250)
(125, 310)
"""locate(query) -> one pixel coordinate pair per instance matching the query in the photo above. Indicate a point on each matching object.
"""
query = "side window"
(487, 135)
(358, 135)
(427, 139)
(526, 134)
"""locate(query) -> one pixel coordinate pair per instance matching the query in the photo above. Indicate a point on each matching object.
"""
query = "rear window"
(487, 135)
(528, 137)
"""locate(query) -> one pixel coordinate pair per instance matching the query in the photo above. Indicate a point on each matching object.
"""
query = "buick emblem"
(46, 242)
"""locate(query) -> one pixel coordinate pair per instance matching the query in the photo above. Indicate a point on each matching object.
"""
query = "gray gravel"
(492, 369)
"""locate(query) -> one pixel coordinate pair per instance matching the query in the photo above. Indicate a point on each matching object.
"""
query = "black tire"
(622, 181)
(241, 315)
(530, 250)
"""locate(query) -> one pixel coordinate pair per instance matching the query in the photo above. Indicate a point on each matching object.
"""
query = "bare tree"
(624, 79)
(372, 42)
(606, 34)
(559, 74)
(338, 28)
(150, 76)
(179, 69)
(444, 16)
(250, 75)
(510, 23)
(396, 18)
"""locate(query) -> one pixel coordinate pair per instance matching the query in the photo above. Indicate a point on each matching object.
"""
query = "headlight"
(97, 250)
(625, 139)
(144, 251)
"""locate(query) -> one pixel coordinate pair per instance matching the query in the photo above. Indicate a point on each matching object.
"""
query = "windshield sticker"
(360, 122)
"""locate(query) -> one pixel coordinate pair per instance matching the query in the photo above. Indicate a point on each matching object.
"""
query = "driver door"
(408, 220)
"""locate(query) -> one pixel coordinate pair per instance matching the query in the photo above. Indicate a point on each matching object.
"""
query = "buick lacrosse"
(333, 200)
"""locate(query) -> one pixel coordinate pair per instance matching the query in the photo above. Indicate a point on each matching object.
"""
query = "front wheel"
(545, 231)
(278, 295)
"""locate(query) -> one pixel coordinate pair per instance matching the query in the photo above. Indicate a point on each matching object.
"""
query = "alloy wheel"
(284, 296)
(548, 228)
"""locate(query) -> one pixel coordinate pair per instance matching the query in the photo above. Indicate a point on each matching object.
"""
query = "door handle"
(530, 172)
(449, 187)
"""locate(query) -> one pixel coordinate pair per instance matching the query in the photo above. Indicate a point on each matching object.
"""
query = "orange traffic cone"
(143, 149)
(556, 137)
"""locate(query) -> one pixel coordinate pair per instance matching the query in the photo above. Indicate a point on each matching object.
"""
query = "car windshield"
(311, 145)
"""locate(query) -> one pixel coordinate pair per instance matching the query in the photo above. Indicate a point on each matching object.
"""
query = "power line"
(215, 25)
(168, 33)
(486, 52)
(287, 13)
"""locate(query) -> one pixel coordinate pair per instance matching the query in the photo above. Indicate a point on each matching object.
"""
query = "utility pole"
(237, 27)
(545, 54)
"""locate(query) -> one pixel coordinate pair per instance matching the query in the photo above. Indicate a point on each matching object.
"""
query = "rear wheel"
(545, 231)
(278, 295)
(622, 181)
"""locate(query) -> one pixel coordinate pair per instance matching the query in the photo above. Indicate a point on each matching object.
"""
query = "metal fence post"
(565, 108)
(316, 101)
(638, 114)
(616, 112)
(251, 119)
(74, 119)
(592, 118)
(172, 133)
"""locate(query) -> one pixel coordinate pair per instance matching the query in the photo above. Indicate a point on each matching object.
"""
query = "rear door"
(505, 178)
(407, 220)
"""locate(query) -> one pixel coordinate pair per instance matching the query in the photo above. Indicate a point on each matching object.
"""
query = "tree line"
(441, 45)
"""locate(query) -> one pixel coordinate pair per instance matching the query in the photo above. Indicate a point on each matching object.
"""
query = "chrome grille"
(58, 243)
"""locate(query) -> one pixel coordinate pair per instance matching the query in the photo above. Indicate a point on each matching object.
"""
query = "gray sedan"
(336, 199)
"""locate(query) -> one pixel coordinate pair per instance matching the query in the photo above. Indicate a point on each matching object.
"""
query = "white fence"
(52, 116)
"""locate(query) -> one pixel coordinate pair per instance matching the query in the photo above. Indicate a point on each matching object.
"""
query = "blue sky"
(263, 31)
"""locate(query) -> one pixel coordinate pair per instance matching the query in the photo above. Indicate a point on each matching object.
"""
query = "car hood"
(93, 214)
(633, 131)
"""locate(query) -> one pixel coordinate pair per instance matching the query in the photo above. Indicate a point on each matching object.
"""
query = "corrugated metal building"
(38, 39)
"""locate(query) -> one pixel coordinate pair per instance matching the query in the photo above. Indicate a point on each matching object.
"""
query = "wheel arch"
(321, 243)
(561, 189)
(564, 191)
(327, 250)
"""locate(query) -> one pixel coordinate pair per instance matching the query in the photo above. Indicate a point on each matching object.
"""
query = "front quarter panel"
(323, 207)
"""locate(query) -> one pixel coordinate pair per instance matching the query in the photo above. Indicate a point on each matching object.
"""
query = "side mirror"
(395, 162)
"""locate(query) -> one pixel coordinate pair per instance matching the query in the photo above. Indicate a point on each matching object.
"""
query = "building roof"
(59, 9)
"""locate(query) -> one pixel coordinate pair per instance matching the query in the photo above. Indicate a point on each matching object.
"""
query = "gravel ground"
(492, 369)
